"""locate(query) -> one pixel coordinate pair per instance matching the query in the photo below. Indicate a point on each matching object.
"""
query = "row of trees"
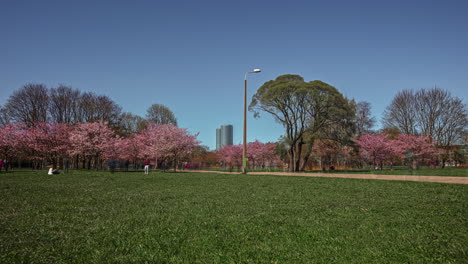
(317, 117)
(36, 103)
(259, 155)
(321, 127)
(92, 143)
(434, 113)
(376, 150)
(381, 149)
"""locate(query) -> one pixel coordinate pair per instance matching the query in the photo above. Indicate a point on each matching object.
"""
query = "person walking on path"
(147, 164)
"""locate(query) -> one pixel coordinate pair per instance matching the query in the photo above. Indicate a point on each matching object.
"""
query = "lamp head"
(256, 70)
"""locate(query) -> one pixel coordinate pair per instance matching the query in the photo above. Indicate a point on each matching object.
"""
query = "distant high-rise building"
(224, 136)
(218, 138)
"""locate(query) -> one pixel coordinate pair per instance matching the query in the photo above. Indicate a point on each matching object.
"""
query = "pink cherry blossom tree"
(416, 149)
(132, 148)
(377, 149)
(230, 155)
(90, 141)
(114, 149)
(48, 142)
(254, 153)
(168, 142)
(12, 137)
(261, 154)
(269, 156)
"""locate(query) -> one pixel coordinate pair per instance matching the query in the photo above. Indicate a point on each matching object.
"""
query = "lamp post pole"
(244, 148)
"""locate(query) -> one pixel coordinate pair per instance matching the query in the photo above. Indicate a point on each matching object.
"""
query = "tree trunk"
(291, 159)
(297, 163)
(307, 155)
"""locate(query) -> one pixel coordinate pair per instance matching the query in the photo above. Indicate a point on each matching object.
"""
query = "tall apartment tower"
(218, 138)
(224, 136)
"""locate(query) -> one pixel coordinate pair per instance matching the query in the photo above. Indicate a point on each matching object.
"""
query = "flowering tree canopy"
(11, 140)
(48, 141)
(258, 154)
(132, 148)
(416, 147)
(168, 142)
(377, 149)
(90, 139)
(114, 149)
(230, 154)
(262, 154)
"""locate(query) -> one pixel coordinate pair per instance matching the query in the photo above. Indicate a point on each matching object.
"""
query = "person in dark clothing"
(127, 163)
(66, 165)
(112, 165)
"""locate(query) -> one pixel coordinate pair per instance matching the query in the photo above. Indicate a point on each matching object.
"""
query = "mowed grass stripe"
(98, 217)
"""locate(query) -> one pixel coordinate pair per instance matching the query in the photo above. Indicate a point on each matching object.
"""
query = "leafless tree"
(64, 103)
(29, 104)
(108, 110)
(85, 109)
(401, 113)
(94, 107)
(364, 119)
(130, 123)
(4, 116)
(428, 112)
(161, 114)
(441, 116)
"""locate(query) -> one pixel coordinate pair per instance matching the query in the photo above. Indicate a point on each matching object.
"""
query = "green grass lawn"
(98, 217)
(448, 171)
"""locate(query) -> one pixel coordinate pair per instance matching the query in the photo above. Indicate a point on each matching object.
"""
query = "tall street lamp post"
(244, 149)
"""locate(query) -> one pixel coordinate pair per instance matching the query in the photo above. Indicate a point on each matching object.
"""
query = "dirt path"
(441, 179)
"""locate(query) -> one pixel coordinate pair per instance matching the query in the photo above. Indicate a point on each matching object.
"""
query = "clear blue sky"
(192, 55)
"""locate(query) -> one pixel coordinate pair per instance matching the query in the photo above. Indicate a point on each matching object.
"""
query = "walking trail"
(441, 179)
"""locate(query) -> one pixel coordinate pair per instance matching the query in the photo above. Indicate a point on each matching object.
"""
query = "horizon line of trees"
(315, 111)
(90, 145)
(36, 103)
(321, 125)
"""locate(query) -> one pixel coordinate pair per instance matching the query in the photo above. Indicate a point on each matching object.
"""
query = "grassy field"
(449, 171)
(98, 217)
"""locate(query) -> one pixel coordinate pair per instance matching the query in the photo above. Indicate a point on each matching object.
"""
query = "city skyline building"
(218, 138)
(224, 136)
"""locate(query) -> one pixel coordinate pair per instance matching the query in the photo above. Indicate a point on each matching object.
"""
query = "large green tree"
(305, 109)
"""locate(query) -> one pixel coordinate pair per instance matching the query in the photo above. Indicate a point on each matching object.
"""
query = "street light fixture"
(244, 149)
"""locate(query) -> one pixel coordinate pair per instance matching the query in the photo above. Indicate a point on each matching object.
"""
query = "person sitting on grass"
(53, 171)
